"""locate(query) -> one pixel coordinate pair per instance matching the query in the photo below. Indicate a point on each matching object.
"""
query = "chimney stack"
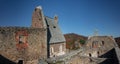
(39, 7)
(38, 20)
(56, 18)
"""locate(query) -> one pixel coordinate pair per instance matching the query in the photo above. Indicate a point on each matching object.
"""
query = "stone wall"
(57, 49)
(76, 57)
(101, 41)
(34, 48)
(98, 45)
(103, 54)
(73, 57)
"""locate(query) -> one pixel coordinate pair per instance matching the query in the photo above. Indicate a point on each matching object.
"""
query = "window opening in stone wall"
(103, 42)
(90, 55)
(94, 44)
(51, 50)
(21, 39)
(20, 62)
(98, 53)
(54, 26)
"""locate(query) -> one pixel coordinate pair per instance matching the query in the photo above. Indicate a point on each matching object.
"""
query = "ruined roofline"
(100, 36)
(28, 30)
(55, 18)
(110, 37)
(13, 27)
(49, 17)
(20, 28)
(58, 42)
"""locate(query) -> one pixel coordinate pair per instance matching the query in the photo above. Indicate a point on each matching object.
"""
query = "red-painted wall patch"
(21, 39)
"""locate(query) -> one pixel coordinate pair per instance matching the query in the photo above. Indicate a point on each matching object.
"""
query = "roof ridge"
(48, 17)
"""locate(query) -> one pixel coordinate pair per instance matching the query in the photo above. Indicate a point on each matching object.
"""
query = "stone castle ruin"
(97, 50)
(101, 50)
(44, 43)
(98, 45)
(27, 45)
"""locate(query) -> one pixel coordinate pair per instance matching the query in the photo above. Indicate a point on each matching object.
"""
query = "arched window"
(51, 50)
(95, 44)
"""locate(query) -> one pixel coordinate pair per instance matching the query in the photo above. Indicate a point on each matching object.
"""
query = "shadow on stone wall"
(4, 60)
(108, 61)
(111, 57)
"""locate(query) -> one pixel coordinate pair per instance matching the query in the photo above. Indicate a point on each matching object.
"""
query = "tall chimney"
(38, 20)
(56, 18)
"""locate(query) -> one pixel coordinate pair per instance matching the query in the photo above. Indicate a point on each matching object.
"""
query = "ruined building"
(98, 45)
(97, 50)
(103, 49)
(26, 45)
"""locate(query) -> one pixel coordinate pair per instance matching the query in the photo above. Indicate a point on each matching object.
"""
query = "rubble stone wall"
(56, 49)
(34, 48)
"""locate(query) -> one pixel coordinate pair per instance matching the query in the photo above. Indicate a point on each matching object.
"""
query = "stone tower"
(38, 20)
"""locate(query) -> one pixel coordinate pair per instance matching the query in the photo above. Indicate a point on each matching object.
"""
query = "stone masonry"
(35, 49)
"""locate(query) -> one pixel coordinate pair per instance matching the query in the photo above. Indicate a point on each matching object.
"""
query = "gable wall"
(57, 49)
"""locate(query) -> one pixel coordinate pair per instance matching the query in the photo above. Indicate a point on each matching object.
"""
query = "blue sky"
(75, 16)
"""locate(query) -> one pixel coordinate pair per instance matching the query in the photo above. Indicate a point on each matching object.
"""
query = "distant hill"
(71, 38)
(118, 41)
